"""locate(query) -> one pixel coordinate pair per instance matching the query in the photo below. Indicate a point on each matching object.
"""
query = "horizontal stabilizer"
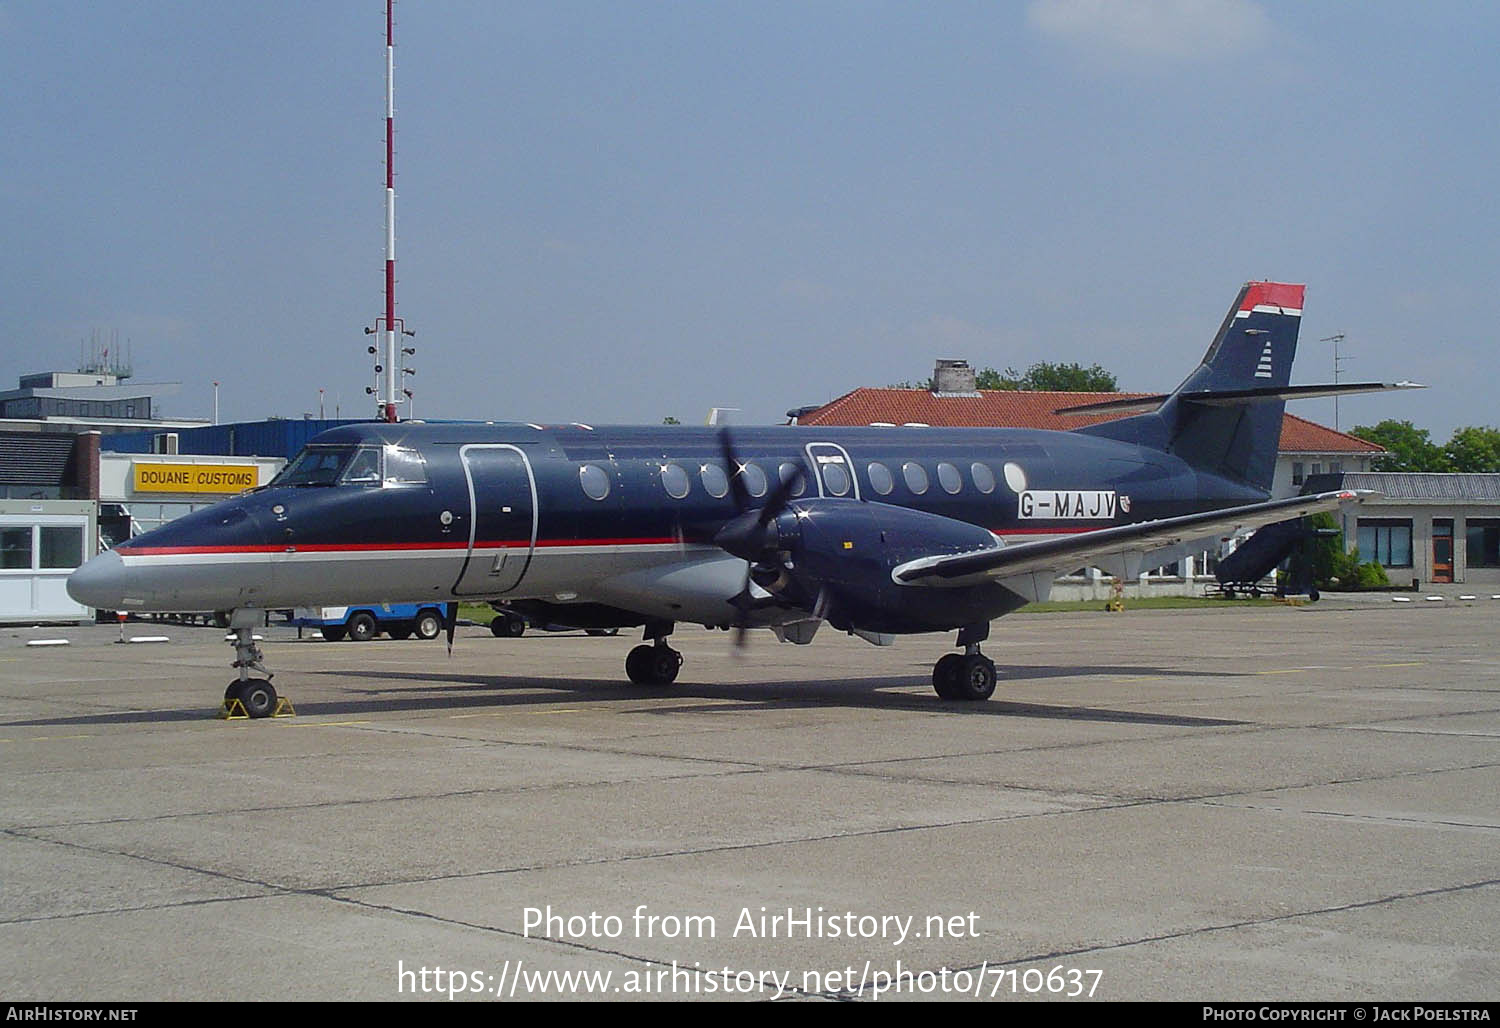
(1232, 397)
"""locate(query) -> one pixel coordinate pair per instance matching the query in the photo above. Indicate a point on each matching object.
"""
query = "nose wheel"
(256, 695)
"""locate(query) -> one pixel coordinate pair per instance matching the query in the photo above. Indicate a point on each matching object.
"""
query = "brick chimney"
(953, 378)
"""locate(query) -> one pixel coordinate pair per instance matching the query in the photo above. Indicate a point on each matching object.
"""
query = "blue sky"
(615, 212)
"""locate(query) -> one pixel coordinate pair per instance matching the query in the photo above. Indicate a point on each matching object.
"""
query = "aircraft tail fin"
(1225, 418)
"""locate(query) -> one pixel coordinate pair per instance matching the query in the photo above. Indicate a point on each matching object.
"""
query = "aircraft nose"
(100, 583)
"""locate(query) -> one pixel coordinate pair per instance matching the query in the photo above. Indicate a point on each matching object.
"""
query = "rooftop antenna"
(388, 326)
(1336, 339)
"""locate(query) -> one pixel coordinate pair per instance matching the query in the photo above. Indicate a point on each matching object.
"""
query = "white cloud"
(1154, 29)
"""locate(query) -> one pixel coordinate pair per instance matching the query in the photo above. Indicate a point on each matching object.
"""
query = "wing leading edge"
(1125, 550)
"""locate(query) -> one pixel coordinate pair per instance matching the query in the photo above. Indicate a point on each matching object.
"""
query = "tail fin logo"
(1263, 370)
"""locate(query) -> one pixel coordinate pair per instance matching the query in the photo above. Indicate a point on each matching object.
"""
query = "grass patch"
(479, 613)
(1152, 603)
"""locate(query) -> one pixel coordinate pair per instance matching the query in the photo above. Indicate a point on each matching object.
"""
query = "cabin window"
(984, 478)
(1015, 477)
(788, 471)
(836, 479)
(916, 477)
(949, 478)
(755, 480)
(674, 480)
(880, 478)
(715, 482)
(595, 481)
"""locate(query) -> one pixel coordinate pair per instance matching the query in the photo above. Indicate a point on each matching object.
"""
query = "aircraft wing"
(1124, 550)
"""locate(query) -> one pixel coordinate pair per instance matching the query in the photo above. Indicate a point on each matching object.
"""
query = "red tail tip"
(1273, 294)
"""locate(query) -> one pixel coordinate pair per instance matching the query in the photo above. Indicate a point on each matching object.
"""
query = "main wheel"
(945, 675)
(975, 678)
(362, 627)
(653, 665)
(508, 625)
(665, 663)
(429, 624)
(256, 694)
(635, 665)
(334, 633)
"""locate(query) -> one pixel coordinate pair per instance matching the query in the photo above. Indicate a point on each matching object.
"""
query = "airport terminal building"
(1428, 529)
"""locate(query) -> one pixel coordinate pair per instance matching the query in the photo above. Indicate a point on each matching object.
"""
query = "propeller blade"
(741, 603)
(450, 622)
(735, 470)
(781, 496)
(745, 535)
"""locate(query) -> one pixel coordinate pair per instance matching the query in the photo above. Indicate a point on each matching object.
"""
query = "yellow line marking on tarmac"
(506, 713)
(51, 738)
(1404, 663)
(327, 724)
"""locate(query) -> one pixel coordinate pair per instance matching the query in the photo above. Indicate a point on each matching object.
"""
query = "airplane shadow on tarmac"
(431, 693)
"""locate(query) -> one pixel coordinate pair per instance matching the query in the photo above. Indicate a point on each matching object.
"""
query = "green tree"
(1322, 559)
(1045, 376)
(1473, 449)
(669, 420)
(1408, 447)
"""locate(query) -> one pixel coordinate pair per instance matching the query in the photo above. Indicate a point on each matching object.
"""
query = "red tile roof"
(1012, 409)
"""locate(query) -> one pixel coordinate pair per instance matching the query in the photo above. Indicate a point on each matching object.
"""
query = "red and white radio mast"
(388, 371)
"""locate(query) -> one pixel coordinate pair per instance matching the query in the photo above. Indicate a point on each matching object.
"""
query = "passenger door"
(502, 519)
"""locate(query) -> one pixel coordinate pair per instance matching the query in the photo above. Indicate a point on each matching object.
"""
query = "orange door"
(1442, 549)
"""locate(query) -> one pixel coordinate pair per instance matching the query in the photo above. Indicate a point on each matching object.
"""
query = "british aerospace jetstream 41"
(876, 531)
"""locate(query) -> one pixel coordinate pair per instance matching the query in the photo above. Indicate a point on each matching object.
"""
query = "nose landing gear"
(247, 696)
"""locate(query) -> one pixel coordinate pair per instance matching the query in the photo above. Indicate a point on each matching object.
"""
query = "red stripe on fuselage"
(163, 551)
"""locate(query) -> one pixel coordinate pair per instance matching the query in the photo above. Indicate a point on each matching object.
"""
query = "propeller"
(750, 534)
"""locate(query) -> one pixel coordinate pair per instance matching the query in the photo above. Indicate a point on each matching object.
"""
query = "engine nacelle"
(844, 551)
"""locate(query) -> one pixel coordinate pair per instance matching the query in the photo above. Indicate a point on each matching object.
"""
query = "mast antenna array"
(390, 365)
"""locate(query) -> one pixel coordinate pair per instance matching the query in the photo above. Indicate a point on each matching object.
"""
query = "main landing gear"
(969, 675)
(254, 697)
(655, 663)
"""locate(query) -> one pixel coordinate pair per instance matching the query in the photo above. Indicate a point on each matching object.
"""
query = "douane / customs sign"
(194, 478)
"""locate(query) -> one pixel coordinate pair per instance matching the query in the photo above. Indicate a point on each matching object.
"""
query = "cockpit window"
(315, 466)
(364, 469)
(364, 466)
(404, 467)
